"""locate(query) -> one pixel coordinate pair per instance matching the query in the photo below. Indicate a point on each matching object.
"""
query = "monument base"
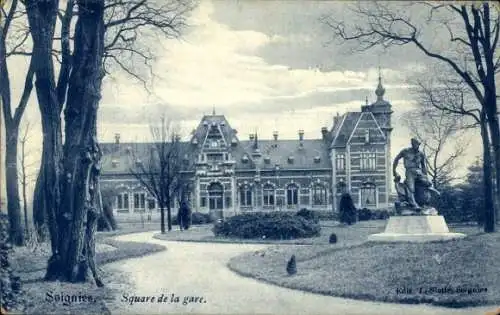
(416, 228)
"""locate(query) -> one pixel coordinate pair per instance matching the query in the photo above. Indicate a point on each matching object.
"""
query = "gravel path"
(188, 270)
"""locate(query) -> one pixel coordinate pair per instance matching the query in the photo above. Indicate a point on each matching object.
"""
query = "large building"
(230, 175)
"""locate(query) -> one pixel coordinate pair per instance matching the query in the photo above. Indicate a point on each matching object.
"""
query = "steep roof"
(288, 154)
(344, 128)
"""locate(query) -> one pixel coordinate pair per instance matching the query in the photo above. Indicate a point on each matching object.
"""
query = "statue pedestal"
(415, 228)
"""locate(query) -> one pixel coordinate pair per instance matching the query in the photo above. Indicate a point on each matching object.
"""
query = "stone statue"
(414, 193)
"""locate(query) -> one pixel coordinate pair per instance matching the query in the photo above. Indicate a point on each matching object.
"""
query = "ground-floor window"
(139, 201)
(292, 195)
(122, 204)
(215, 192)
(268, 194)
(368, 195)
(246, 196)
(319, 195)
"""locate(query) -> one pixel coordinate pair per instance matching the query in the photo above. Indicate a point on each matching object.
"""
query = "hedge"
(269, 225)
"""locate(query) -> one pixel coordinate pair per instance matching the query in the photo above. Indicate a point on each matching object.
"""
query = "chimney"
(117, 138)
(324, 132)
(301, 135)
(336, 119)
(275, 135)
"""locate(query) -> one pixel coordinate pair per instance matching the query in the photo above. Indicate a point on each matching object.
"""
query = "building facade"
(228, 175)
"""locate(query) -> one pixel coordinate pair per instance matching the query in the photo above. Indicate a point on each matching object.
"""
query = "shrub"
(333, 238)
(291, 266)
(364, 214)
(380, 215)
(271, 225)
(200, 218)
(11, 293)
(308, 215)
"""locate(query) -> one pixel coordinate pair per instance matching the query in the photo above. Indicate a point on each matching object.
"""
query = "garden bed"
(434, 273)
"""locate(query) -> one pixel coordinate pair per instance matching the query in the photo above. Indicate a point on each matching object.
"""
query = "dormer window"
(138, 162)
(128, 149)
(267, 160)
(244, 159)
(195, 141)
(290, 159)
(114, 163)
(205, 123)
(317, 159)
(234, 142)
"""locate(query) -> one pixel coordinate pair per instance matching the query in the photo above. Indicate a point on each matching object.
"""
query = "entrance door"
(215, 192)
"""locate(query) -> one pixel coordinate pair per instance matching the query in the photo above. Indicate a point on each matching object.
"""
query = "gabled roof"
(218, 122)
(344, 128)
(368, 122)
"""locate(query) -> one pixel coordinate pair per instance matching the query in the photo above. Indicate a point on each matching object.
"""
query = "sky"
(265, 65)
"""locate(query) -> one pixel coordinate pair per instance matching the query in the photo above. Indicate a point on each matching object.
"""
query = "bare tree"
(129, 27)
(12, 121)
(438, 132)
(159, 169)
(473, 30)
(24, 173)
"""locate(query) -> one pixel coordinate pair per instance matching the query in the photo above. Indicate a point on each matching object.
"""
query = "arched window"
(246, 196)
(292, 195)
(368, 195)
(319, 195)
(215, 191)
(268, 194)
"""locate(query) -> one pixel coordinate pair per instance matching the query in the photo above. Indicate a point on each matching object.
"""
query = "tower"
(382, 110)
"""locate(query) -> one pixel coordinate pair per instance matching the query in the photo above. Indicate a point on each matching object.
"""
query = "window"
(367, 136)
(139, 201)
(292, 193)
(319, 195)
(214, 144)
(122, 202)
(245, 196)
(268, 194)
(151, 204)
(228, 202)
(340, 162)
(341, 187)
(368, 160)
(203, 202)
(368, 195)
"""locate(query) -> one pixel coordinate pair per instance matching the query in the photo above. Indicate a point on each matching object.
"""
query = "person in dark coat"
(347, 209)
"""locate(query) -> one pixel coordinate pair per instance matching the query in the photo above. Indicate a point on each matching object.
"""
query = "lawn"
(434, 273)
(30, 265)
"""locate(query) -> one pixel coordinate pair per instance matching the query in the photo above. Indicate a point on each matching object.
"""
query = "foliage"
(271, 225)
(333, 238)
(10, 283)
(308, 215)
(364, 214)
(347, 209)
(184, 216)
(291, 266)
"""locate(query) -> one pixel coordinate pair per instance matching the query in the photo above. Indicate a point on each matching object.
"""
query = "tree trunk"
(487, 177)
(42, 19)
(490, 213)
(169, 216)
(24, 183)
(12, 185)
(162, 218)
(81, 205)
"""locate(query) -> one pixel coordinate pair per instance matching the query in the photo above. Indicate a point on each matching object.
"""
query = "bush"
(308, 215)
(364, 214)
(333, 238)
(271, 225)
(200, 218)
(11, 293)
(380, 215)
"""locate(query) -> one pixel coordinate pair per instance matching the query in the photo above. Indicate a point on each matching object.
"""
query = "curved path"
(199, 269)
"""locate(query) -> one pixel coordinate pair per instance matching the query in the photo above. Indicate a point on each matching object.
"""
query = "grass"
(30, 265)
(352, 234)
(402, 273)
